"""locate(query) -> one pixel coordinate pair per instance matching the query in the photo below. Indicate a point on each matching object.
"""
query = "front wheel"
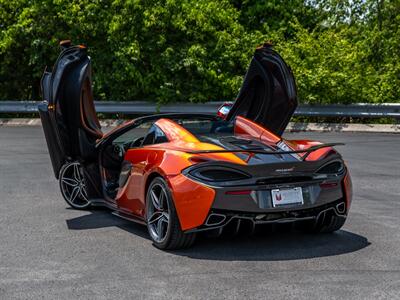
(162, 220)
(72, 186)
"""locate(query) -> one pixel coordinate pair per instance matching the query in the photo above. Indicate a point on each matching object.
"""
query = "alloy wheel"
(158, 214)
(72, 185)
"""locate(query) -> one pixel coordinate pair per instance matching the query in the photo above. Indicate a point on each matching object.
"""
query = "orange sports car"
(180, 174)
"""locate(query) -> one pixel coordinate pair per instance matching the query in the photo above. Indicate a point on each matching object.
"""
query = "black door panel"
(68, 114)
(268, 95)
(56, 151)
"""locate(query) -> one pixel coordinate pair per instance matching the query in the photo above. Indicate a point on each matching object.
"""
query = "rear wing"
(307, 151)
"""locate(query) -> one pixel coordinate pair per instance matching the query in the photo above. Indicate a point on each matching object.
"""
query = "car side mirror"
(224, 109)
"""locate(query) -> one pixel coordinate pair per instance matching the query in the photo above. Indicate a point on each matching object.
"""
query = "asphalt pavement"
(48, 251)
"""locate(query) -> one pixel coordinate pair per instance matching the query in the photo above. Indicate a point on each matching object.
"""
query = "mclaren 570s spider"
(180, 174)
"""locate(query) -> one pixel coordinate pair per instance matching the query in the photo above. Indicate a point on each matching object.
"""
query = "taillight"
(218, 174)
(332, 168)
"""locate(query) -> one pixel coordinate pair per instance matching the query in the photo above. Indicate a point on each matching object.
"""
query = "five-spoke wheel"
(162, 220)
(72, 185)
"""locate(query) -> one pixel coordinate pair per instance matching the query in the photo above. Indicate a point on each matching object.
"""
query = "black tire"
(334, 223)
(329, 224)
(73, 187)
(172, 237)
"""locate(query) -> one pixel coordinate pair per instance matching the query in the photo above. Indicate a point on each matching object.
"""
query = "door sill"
(105, 203)
(129, 217)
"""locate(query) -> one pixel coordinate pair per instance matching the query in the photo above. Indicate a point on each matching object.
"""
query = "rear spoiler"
(255, 151)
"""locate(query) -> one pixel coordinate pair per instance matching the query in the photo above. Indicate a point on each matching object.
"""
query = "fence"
(359, 110)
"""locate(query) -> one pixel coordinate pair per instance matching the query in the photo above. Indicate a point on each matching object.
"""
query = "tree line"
(341, 51)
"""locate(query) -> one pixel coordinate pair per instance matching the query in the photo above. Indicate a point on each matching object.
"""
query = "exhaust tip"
(215, 219)
(341, 208)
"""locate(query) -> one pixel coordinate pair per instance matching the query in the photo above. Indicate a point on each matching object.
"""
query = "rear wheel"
(162, 220)
(332, 224)
(328, 224)
(72, 186)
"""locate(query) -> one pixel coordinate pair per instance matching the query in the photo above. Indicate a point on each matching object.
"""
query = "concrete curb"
(292, 127)
(344, 127)
(20, 122)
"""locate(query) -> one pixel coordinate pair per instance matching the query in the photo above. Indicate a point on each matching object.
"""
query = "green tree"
(164, 50)
(198, 50)
(179, 50)
(276, 15)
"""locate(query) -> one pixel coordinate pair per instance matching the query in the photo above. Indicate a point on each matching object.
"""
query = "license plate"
(282, 197)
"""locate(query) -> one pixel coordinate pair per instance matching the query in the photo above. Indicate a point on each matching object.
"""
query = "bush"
(150, 50)
(342, 65)
(198, 50)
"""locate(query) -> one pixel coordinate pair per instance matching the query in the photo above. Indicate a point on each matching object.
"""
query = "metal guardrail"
(358, 110)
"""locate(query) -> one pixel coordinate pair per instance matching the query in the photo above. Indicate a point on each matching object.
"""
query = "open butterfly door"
(268, 95)
(67, 112)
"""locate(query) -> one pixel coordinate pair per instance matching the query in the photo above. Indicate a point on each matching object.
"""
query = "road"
(49, 251)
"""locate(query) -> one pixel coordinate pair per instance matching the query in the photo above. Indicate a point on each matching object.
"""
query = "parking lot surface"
(48, 251)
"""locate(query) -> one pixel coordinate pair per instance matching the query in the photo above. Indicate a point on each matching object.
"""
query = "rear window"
(203, 127)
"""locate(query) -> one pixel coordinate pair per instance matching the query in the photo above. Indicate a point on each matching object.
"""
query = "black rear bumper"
(219, 218)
